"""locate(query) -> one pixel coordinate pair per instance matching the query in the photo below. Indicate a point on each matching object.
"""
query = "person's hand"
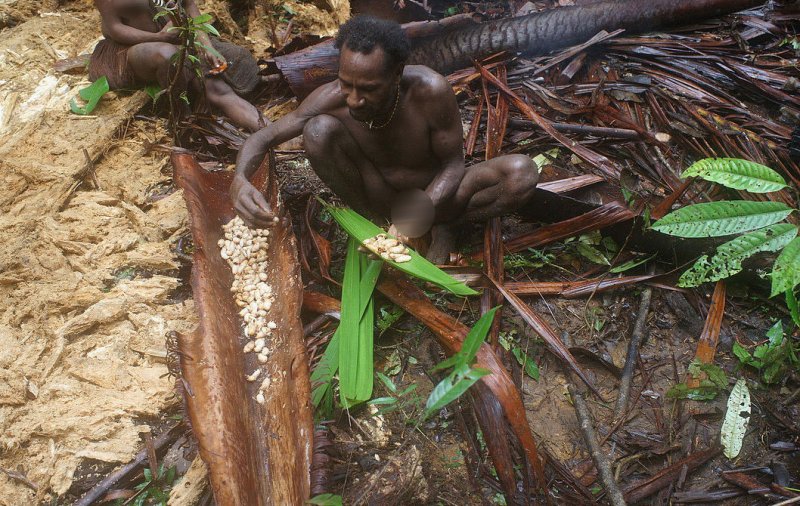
(397, 235)
(251, 205)
(214, 59)
(168, 35)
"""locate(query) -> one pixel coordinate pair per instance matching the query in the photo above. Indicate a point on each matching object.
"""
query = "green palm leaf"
(715, 219)
(356, 328)
(737, 174)
(729, 256)
(786, 271)
(361, 228)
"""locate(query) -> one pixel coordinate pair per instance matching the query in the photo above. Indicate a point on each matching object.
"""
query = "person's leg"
(496, 187)
(150, 62)
(492, 188)
(240, 111)
(341, 164)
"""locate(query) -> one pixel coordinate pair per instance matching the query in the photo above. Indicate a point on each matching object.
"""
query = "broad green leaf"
(527, 363)
(741, 353)
(323, 373)
(630, 264)
(326, 500)
(471, 344)
(786, 271)
(447, 391)
(794, 307)
(736, 418)
(209, 28)
(591, 253)
(202, 18)
(91, 95)
(387, 382)
(737, 174)
(775, 334)
(729, 256)
(361, 228)
(355, 341)
(383, 401)
(715, 219)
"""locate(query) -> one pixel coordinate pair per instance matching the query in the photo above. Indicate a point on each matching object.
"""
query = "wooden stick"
(633, 350)
(96, 492)
(590, 435)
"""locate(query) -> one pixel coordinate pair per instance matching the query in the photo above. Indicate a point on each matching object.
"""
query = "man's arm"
(447, 143)
(248, 202)
(213, 58)
(113, 28)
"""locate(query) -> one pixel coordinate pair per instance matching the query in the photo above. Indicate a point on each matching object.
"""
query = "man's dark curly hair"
(362, 33)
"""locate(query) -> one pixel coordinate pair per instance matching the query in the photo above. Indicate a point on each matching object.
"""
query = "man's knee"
(162, 53)
(521, 172)
(318, 132)
(520, 176)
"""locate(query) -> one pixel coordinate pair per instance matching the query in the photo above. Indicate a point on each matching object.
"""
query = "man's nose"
(355, 100)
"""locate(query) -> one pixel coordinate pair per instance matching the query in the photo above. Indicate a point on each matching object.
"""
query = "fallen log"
(534, 34)
(257, 454)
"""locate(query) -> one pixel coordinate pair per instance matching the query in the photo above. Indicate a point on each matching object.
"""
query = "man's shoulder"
(425, 82)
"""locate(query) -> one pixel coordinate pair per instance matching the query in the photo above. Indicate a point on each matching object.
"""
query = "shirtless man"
(137, 51)
(383, 128)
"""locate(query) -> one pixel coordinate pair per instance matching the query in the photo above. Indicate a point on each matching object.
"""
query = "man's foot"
(443, 241)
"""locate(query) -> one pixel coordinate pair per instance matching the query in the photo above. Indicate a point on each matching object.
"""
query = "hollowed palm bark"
(257, 454)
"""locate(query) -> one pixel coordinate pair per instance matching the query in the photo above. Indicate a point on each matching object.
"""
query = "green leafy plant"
(192, 32)
(509, 342)
(773, 358)
(397, 399)
(463, 375)
(388, 316)
(712, 380)
(154, 490)
(91, 95)
(756, 222)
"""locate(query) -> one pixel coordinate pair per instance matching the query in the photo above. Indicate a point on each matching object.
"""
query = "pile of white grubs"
(245, 250)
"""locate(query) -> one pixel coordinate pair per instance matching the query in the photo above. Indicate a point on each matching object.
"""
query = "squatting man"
(382, 130)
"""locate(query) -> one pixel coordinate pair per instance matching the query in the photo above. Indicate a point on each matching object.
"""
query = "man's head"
(372, 55)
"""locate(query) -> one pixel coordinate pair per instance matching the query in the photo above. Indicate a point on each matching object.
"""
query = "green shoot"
(463, 375)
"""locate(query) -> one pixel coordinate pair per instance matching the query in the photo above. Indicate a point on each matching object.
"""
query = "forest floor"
(93, 283)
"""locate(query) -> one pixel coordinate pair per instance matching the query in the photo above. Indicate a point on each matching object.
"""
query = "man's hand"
(397, 235)
(214, 59)
(251, 205)
(170, 36)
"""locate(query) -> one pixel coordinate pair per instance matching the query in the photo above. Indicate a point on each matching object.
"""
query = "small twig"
(590, 436)
(15, 475)
(109, 481)
(633, 350)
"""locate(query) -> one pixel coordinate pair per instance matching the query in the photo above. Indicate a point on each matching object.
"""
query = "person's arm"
(446, 138)
(248, 202)
(213, 58)
(114, 29)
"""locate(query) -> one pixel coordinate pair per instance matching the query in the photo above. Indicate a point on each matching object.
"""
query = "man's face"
(365, 81)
